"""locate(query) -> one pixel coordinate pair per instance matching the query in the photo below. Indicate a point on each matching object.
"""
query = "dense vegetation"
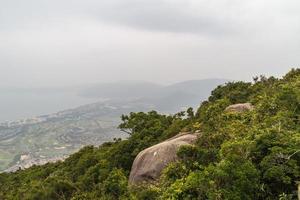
(249, 155)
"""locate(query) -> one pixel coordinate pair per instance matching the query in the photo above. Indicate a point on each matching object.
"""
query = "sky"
(72, 42)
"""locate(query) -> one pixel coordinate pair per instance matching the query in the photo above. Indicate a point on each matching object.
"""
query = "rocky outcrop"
(240, 107)
(149, 163)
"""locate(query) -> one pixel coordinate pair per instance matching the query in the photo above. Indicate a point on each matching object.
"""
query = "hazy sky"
(71, 42)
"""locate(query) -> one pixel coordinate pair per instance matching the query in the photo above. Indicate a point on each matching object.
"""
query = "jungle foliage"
(238, 156)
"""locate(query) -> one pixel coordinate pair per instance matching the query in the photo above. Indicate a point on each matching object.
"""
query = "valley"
(49, 138)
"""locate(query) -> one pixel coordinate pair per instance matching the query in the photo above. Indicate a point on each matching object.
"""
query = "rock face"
(240, 107)
(149, 163)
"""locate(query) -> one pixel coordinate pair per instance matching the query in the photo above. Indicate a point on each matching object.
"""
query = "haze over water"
(19, 104)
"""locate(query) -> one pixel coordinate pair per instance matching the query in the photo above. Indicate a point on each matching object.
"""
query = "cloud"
(66, 42)
(157, 15)
(207, 17)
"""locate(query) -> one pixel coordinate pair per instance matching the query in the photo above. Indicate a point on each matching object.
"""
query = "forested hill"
(238, 155)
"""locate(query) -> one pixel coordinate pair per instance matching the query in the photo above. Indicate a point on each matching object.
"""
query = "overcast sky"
(71, 42)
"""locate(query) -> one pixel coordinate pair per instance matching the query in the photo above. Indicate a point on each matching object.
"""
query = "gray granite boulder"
(149, 163)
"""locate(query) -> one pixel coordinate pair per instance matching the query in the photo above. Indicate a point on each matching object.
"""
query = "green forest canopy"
(250, 155)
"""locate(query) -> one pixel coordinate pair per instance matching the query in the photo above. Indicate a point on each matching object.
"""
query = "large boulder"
(149, 163)
(240, 107)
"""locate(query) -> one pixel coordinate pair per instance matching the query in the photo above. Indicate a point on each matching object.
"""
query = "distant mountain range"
(53, 137)
(164, 98)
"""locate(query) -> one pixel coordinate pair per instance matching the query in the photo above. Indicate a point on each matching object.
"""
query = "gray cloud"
(156, 15)
(210, 17)
(65, 42)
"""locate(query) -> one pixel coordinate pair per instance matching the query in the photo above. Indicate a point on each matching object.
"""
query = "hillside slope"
(55, 136)
(239, 155)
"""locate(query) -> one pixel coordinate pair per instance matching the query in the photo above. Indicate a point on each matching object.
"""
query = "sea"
(16, 104)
